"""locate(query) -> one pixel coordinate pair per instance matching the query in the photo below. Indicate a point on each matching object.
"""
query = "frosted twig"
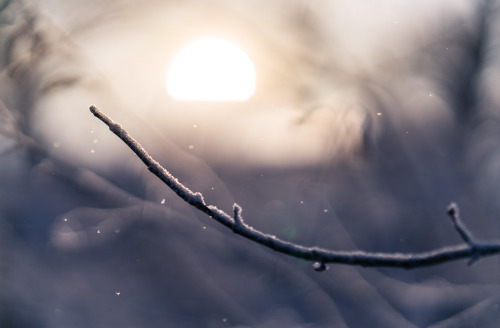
(462, 230)
(465, 234)
(238, 219)
(470, 249)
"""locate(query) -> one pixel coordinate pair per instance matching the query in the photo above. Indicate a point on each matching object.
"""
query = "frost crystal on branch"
(470, 249)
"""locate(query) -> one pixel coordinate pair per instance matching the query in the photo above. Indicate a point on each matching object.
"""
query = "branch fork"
(466, 235)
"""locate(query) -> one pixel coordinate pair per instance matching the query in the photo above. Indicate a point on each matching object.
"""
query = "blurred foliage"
(376, 117)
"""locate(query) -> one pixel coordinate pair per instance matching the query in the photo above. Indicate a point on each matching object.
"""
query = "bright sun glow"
(211, 70)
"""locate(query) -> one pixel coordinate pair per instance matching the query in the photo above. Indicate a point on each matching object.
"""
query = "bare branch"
(462, 230)
(470, 249)
(465, 234)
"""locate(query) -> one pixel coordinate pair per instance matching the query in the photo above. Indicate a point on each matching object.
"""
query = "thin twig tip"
(237, 214)
(452, 209)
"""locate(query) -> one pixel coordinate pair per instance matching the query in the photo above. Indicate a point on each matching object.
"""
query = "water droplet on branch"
(319, 266)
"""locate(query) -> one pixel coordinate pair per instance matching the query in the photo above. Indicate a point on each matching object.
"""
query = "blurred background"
(368, 119)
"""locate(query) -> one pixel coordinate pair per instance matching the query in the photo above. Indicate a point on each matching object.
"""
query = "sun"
(211, 70)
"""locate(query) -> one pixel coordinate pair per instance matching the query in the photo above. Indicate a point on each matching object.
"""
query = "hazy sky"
(309, 58)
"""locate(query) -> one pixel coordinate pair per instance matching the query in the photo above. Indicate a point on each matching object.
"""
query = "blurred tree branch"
(471, 248)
